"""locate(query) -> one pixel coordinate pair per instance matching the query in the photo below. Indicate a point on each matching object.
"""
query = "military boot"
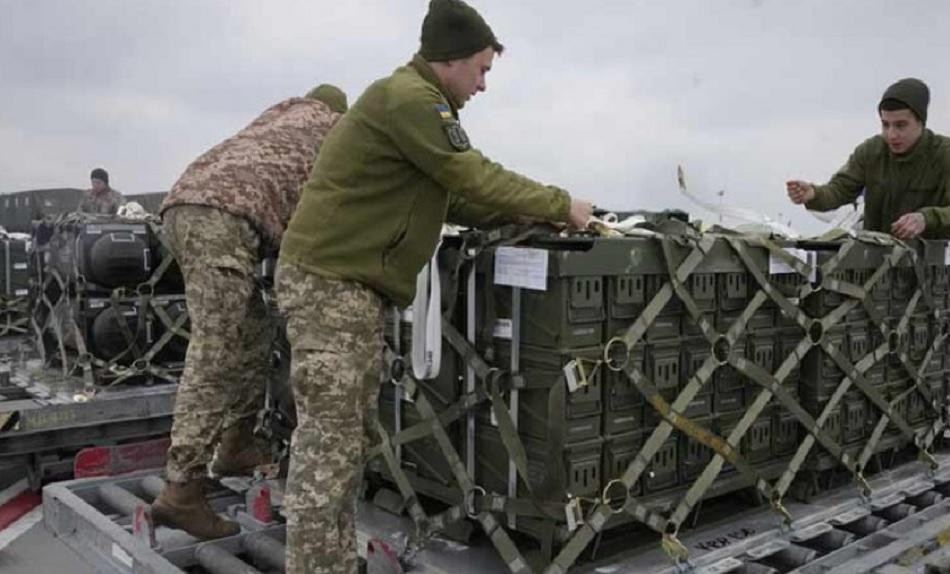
(239, 452)
(183, 505)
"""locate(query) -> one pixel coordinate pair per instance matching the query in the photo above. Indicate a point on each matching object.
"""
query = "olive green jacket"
(895, 185)
(389, 174)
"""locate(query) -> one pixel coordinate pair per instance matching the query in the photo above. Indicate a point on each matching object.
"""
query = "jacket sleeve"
(844, 187)
(937, 217)
(470, 214)
(422, 135)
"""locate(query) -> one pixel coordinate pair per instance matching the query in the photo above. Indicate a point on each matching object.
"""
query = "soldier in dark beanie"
(100, 198)
(904, 172)
(395, 168)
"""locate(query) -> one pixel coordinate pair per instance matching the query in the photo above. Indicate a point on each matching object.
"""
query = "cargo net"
(708, 363)
(129, 322)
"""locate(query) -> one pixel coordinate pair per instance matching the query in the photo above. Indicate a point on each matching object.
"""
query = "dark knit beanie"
(453, 30)
(911, 92)
(100, 174)
(331, 95)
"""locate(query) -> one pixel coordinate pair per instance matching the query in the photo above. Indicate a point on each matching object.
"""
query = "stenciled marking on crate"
(727, 539)
(48, 418)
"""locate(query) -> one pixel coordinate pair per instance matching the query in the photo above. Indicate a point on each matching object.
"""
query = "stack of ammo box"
(14, 285)
(580, 437)
(107, 303)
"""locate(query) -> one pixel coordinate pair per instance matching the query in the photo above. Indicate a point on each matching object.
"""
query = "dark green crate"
(662, 472)
(619, 451)
(424, 456)
(785, 433)
(855, 419)
(580, 465)
(693, 455)
(570, 313)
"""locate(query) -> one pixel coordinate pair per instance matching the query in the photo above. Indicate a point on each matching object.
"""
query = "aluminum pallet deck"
(43, 413)
(901, 529)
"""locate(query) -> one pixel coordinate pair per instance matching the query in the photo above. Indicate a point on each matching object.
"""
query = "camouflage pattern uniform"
(335, 331)
(257, 173)
(105, 203)
(226, 361)
(229, 208)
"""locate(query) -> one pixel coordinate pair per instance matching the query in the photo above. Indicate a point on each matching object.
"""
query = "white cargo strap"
(427, 322)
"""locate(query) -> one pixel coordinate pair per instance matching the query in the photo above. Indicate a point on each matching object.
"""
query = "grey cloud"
(603, 97)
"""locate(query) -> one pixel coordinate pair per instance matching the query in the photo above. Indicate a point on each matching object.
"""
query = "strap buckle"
(612, 502)
(469, 501)
(576, 375)
(674, 548)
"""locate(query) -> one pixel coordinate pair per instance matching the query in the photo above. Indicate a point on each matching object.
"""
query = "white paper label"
(778, 265)
(19, 266)
(946, 254)
(524, 267)
(21, 292)
(502, 329)
(121, 555)
(407, 316)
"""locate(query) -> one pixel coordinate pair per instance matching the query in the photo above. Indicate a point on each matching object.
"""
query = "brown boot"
(183, 505)
(239, 452)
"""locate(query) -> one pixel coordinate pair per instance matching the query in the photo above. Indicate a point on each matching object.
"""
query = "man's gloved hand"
(909, 226)
(800, 191)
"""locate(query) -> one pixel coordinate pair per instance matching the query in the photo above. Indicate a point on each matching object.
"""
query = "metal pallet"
(42, 413)
(900, 530)
(108, 522)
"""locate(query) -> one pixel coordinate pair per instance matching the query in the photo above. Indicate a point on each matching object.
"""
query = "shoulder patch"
(445, 112)
(457, 136)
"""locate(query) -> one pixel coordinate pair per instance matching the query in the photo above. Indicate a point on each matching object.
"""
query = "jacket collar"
(918, 150)
(429, 75)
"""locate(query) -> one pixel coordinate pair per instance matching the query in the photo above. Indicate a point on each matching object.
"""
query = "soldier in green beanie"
(904, 172)
(393, 170)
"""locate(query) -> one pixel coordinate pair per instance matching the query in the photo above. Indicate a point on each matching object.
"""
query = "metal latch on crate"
(575, 375)
(574, 514)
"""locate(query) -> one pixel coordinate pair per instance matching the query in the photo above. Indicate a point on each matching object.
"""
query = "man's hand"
(909, 226)
(800, 191)
(581, 212)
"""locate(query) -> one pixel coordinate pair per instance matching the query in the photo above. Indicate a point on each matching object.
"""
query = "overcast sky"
(603, 98)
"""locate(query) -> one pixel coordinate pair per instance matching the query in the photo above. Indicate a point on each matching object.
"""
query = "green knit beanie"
(331, 95)
(911, 92)
(453, 30)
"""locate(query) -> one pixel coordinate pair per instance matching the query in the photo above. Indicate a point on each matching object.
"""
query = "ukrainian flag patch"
(445, 112)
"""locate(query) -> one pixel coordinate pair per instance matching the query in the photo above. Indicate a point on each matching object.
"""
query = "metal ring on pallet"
(493, 379)
(140, 365)
(397, 371)
(616, 358)
(469, 501)
(608, 501)
(84, 359)
(145, 289)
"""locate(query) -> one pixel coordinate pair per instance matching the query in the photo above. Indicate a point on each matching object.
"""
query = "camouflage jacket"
(105, 203)
(257, 173)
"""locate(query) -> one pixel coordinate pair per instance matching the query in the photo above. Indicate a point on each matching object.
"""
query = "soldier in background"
(394, 169)
(229, 207)
(100, 198)
(904, 172)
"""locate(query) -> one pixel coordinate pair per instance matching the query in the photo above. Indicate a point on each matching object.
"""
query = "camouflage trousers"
(226, 364)
(335, 330)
